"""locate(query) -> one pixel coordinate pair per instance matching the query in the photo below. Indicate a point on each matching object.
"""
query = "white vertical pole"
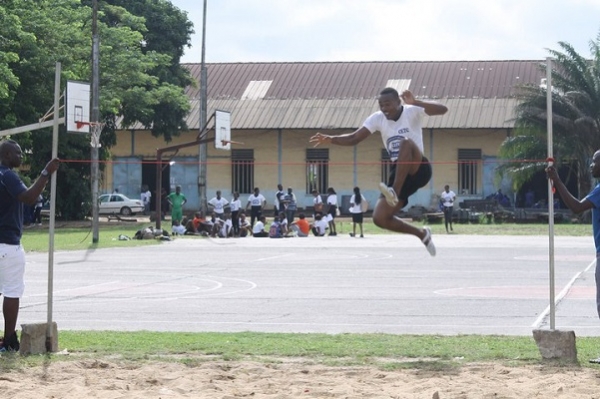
(550, 193)
(49, 329)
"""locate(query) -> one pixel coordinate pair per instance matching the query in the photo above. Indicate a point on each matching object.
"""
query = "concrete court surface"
(381, 283)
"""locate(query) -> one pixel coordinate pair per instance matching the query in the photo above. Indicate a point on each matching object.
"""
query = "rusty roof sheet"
(350, 113)
(326, 80)
(323, 95)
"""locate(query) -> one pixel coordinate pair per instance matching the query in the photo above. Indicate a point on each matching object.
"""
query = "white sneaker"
(428, 241)
(390, 195)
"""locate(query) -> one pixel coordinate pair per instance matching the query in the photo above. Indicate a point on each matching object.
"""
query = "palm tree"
(575, 119)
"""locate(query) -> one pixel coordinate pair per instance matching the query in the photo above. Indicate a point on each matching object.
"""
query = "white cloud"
(359, 30)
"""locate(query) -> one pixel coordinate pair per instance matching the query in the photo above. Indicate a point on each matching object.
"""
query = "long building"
(276, 107)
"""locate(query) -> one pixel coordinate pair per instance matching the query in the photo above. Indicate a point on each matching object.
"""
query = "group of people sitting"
(224, 226)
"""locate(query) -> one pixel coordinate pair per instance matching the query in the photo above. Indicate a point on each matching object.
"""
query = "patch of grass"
(72, 238)
(344, 226)
(432, 352)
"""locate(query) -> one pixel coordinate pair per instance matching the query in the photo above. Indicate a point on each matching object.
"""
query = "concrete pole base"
(33, 339)
(556, 345)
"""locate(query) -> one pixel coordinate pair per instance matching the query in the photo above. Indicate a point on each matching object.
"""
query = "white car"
(111, 204)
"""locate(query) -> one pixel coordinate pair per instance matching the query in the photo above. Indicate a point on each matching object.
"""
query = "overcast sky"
(388, 30)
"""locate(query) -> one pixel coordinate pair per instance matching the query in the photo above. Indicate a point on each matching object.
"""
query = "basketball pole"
(56, 123)
(95, 116)
(550, 191)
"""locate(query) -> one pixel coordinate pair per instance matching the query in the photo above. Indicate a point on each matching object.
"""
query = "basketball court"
(378, 284)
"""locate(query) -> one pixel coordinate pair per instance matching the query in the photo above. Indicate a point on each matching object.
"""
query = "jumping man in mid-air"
(401, 131)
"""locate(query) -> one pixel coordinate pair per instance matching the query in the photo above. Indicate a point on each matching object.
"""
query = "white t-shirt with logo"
(408, 126)
(256, 200)
(448, 198)
(235, 205)
(218, 204)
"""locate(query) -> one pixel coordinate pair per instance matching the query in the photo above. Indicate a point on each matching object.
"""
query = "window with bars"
(242, 171)
(469, 161)
(386, 166)
(317, 169)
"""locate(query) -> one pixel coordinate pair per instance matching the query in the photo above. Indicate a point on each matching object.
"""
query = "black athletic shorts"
(414, 182)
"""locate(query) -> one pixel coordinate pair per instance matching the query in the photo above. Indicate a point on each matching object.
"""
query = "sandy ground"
(288, 379)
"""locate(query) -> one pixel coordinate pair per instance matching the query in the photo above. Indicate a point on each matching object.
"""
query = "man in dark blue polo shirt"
(13, 194)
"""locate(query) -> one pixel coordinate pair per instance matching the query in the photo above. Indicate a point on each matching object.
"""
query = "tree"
(575, 119)
(36, 35)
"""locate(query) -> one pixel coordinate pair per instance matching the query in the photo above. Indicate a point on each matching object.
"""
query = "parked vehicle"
(110, 204)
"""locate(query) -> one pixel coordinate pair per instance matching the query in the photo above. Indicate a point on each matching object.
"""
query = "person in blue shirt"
(13, 195)
(590, 201)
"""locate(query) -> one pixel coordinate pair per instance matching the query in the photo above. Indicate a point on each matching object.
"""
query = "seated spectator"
(198, 225)
(177, 229)
(319, 226)
(259, 228)
(226, 226)
(245, 228)
(283, 224)
(300, 227)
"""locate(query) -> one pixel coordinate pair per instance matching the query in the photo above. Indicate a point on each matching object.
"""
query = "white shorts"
(12, 270)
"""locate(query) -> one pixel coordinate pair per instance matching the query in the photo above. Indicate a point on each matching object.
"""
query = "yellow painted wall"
(294, 144)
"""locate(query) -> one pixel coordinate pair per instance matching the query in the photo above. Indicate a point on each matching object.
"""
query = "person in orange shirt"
(301, 226)
(197, 225)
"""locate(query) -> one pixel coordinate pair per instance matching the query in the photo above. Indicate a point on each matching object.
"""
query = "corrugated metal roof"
(351, 113)
(318, 95)
(442, 79)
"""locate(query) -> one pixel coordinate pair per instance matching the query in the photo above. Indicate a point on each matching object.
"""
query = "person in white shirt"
(218, 204)
(145, 196)
(177, 228)
(279, 205)
(357, 207)
(317, 202)
(319, 226)
(259, 228)
(235, 206)
(401, 128)
(256, 203)
(447, 198)
(331, 210)
(226, 225)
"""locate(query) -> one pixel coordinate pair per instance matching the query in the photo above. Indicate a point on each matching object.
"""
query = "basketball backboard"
(77, 107)
(223, 130)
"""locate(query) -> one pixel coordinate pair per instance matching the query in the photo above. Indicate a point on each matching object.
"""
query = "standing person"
(145, 196)
(256, 203)
(290, 205)
(13, 194)
(357, 202)
(177, 200)
(279, 205)
(331, 210)
(37, 214)
(317, 202)
(235, 206)
(590, 201)
(401, 129)
(218, 204)
(447, 197)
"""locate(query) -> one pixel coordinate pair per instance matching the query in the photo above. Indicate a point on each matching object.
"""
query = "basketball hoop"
(95, 130)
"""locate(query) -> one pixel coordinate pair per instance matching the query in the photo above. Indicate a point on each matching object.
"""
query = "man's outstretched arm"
(347, 139)
(430, 108)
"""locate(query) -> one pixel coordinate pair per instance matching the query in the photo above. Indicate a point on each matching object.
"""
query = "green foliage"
(137, 84)
(576, 117)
